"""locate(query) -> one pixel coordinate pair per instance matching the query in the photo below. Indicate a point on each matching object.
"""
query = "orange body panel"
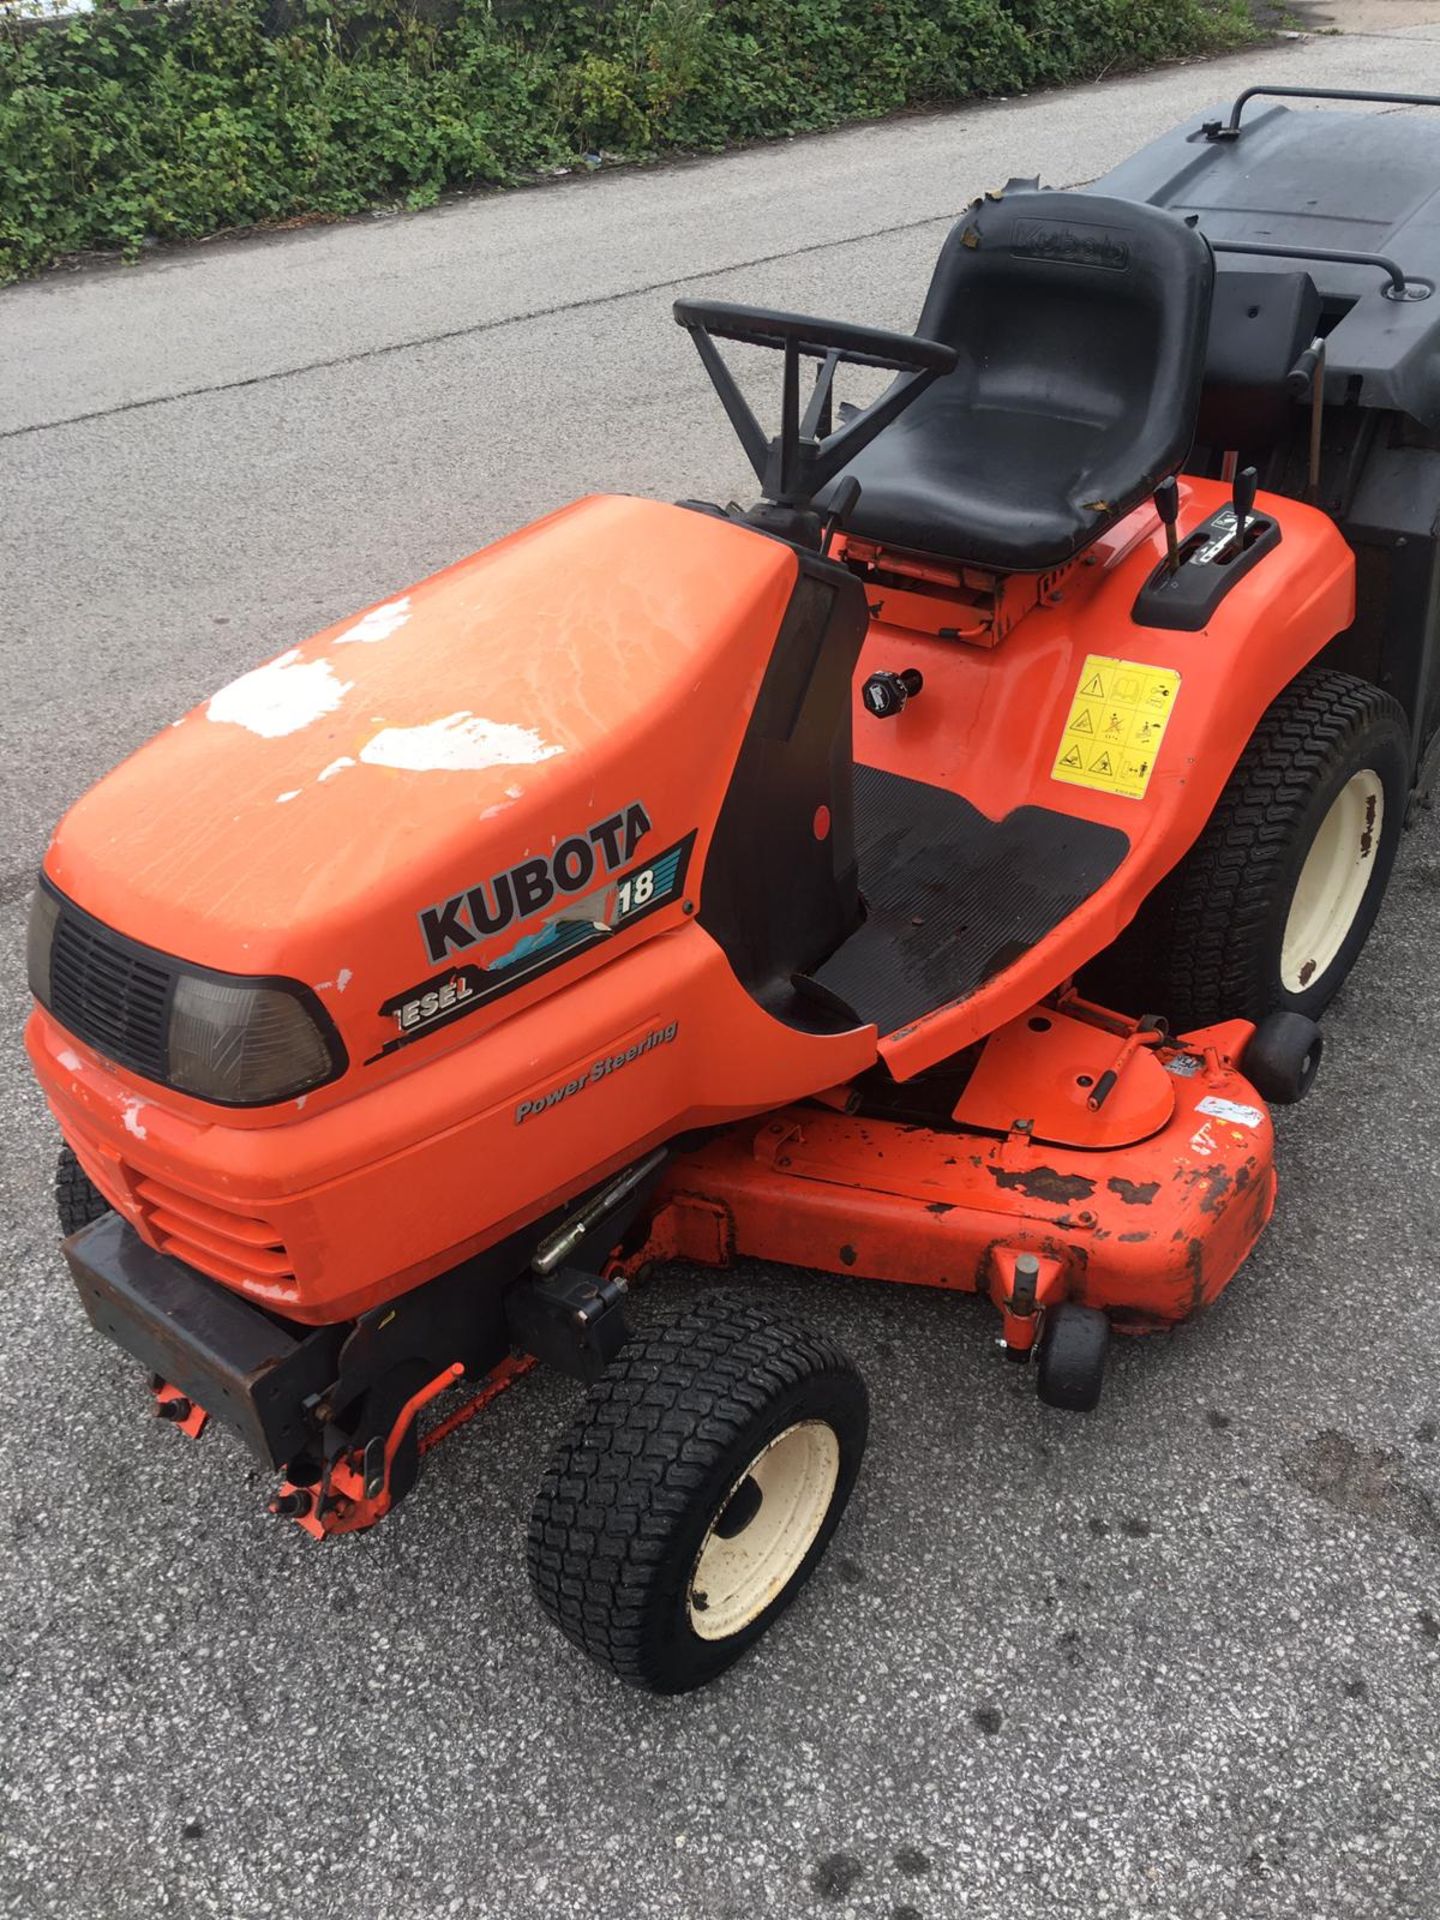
(989, 721)
(368, 1197)
(300, 821)
(303, 822)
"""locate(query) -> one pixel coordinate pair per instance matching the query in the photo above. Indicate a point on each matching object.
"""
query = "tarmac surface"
(1177, 1659)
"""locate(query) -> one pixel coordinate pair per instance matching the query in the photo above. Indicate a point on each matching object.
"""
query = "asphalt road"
(1179, 1659)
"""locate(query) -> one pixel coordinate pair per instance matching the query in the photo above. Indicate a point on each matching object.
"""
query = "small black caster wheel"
(1073, 1344)
(1283, 1056)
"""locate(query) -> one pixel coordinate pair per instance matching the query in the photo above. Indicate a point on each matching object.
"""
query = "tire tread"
(650, 1433)
(78, 1201)
(1193, 948)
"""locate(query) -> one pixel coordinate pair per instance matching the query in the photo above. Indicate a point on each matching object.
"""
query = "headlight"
(44, 914)
(218, 1036)
(244, 1043)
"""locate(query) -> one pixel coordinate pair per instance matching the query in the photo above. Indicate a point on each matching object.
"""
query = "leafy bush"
(173, 121)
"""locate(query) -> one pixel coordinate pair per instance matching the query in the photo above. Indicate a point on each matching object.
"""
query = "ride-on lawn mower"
(930, 874)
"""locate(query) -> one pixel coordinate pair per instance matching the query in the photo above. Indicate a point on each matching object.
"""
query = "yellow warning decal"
(1117, 720)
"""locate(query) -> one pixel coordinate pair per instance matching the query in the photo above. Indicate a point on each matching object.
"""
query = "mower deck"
(1149, 1229)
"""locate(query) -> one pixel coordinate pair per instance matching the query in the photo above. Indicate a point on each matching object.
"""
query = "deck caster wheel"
(1283, 1057)
(696, 1492)
(1073, 1345)
(78, 1201)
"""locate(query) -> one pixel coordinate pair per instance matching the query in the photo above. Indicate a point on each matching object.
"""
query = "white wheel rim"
(736, 1578)
(1332, 882)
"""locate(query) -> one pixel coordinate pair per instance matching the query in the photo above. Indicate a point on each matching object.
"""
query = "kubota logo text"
(531, 885)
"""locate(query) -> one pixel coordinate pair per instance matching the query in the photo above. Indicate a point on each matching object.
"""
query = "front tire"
(1271, 907)
(696, 1492)
(78, 1201)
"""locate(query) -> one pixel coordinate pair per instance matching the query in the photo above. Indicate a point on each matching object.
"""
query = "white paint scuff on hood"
(378, 624)
(282, 697)
(460, 743)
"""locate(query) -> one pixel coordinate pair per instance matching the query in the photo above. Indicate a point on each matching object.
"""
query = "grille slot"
(236, 1248)
(109, 995)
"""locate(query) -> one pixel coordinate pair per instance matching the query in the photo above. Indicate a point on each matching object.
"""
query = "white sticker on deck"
(1231, 1110)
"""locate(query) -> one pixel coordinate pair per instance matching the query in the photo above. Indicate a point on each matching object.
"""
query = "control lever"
(1167, 505)
(1306, 380)
(844, 502)
(1301, 377)
(1246, 481)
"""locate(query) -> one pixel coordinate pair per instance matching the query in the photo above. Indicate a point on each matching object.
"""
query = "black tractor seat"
(1080, 324)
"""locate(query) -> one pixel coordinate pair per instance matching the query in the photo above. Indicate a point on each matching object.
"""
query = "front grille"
(237, 1248)
(110, 993)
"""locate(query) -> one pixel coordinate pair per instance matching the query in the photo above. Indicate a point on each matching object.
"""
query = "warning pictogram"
(1135, 767)
(1128, 706)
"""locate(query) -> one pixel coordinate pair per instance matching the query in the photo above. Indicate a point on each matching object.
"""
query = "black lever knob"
(1167, 505)
(1301, 377)
(1246, 481)
(884, 694)
(843, 503)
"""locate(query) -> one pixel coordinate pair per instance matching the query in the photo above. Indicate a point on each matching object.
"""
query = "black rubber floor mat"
(953, 898)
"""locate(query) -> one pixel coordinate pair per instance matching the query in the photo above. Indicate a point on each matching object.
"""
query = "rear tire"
(1272, 905)
(696, 1492)
(78, 1201)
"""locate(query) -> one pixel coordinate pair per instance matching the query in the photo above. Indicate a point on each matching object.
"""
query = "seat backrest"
(1087, 309)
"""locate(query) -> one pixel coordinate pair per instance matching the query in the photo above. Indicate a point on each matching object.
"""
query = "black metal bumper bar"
(255, 1373)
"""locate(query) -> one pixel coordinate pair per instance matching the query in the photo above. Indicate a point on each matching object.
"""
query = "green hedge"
(170, 122)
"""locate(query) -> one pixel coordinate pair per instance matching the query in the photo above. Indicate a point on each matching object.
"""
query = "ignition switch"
(884, 694)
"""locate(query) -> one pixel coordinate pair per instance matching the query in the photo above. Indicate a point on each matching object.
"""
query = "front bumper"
(244, 1366)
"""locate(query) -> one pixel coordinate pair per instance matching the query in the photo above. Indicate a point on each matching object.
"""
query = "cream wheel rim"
(764, 1528)
(1332, 882)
